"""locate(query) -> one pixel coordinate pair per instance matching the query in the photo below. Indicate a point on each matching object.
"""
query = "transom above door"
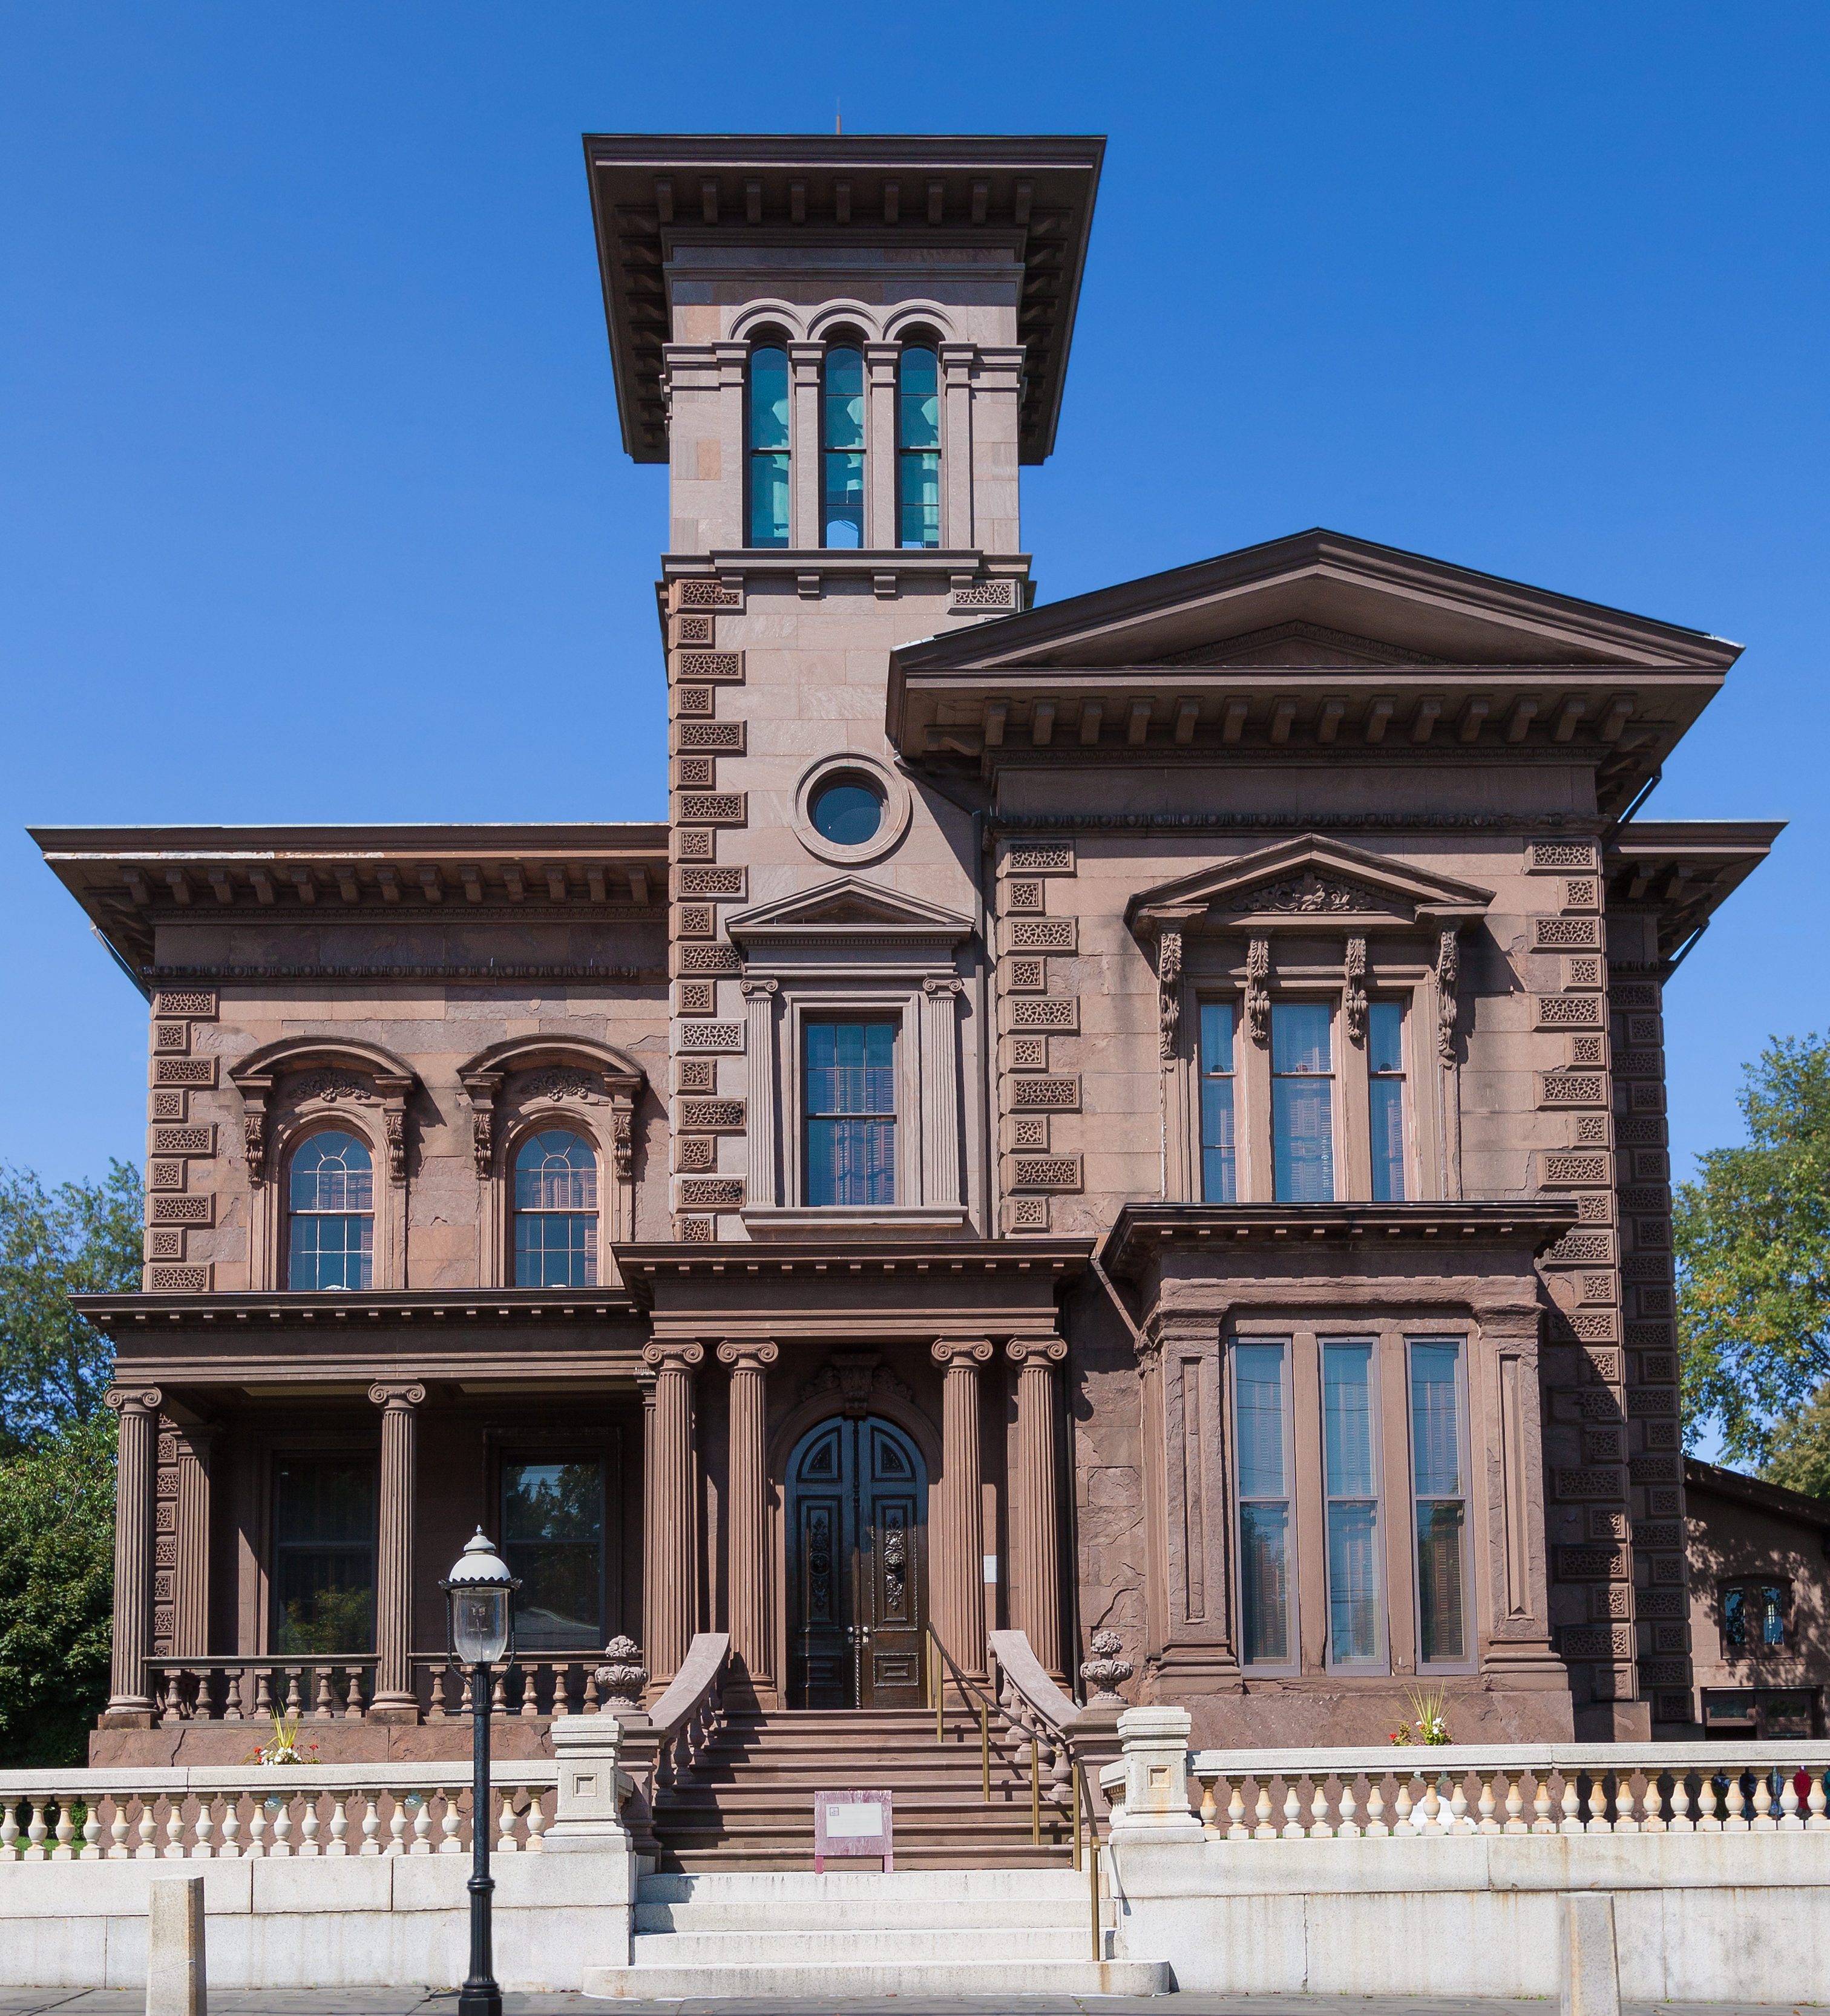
(857, 1567)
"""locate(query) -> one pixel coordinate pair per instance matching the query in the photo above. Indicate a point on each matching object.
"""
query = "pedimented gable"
(849, 909)
(1306, 644)
(1310, 878)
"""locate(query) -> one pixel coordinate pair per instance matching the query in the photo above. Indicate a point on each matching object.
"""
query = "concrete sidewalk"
(413, 2001)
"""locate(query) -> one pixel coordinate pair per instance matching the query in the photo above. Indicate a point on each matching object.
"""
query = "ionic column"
(747, 1520)
(138, 1407)
(1036, 1607)
(191, 1582)
(940, 1102)
(395, 1699)
(670, 1540)
(957, 1561)
(759, 1050)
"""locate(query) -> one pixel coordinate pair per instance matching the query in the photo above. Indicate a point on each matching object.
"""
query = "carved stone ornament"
(331, 1086)
(483, 1138)
(1311, 895)
(856, 1378)
(1258, 994)
(395, 1120)
(557, 1082)
(254, 1136)
(1106, 1672)
(623, 1139)
(1356, 1001)
(1448, 972)
(622, 1676)
(1169, 975)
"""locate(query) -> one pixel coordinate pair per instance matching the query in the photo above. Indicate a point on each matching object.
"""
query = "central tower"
(845, 349)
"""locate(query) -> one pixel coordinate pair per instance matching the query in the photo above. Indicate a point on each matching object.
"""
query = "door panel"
(857, 1499)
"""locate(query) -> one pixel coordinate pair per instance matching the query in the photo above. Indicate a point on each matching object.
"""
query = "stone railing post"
(959, 1551)
(670, 1543)
(748, 1521)
(395, 1699)
(129, 1704)
(1035, 1607)
(1155, 1746)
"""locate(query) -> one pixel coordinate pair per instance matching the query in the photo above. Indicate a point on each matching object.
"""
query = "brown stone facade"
(1264, 1249)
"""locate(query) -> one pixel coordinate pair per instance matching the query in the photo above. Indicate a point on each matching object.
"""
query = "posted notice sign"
(852, 1824)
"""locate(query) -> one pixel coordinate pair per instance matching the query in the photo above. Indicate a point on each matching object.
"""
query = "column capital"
(1049, 1350)
(133, 1399)
(940, 989)
(759, 990)
(399, 1396)
(971, 1352)
(743, 1356)
(673, 1357)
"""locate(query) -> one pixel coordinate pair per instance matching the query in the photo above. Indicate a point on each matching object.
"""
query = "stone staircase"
(944, 1933)
(748, 1802)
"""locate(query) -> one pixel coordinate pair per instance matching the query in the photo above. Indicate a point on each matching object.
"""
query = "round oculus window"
(847, 809)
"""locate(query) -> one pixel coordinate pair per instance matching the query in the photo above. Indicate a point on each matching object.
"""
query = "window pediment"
(850, 913)
(321, 1071)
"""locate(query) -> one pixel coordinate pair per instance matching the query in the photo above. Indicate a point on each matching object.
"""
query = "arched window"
(769, 446)
(555, 1211)
(841, 504)
(330, 1204)
(918, 448)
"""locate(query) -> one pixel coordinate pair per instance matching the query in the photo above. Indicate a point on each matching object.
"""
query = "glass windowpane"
(1733, 1617)
(1386, 1100)
(552, 1531)
(1439, 1581)
(1352, 1489)
(769, 398)
(769, 500)
(1302, 1110)
(851, 1112)
(1300, 1034)
(323, 1579)
(918, 500)
(1437, 1484)
(1772, 1616)
(1353, 1583)
(1260, 1390)
(330, 1228)
(918, 400)
(1220, 1163)
(555, 1211)
(1264, 1584)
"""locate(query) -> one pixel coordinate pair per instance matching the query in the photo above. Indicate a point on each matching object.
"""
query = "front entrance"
(857, 1547)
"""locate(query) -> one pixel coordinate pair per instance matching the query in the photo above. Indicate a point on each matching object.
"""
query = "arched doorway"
(857, 1562)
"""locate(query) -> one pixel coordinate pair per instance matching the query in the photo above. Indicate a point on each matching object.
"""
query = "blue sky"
(311, 504)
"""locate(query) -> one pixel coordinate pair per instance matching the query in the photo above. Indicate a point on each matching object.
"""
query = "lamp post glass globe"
(479, 1593)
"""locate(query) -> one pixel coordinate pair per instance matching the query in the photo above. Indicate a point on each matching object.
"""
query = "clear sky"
(312, 506)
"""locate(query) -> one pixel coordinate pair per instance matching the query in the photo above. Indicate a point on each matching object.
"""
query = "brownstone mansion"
(1143, 1113)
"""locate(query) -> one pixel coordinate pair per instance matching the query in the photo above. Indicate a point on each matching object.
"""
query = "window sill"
(874, 1221)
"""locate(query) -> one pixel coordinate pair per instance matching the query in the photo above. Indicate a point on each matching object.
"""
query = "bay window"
(1350, 1480)
(1261, 1409)
(1440, 1498)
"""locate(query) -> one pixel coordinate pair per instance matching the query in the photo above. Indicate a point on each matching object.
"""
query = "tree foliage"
(56, 1590)
(80, 1238)
(1753, 1244)
(1798, 1452)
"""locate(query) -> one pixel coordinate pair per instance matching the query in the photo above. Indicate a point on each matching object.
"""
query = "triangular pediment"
(1317, 598)
(848, 908)
(1308, 881)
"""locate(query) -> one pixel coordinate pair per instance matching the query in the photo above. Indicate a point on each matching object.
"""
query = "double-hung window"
(330, 1202)
(1261, 1409)
(841, 511)
(1351, 1481)
(769, 446)
(322, 1585)
(1302, 1101)
(1385, 1069)
(553, 1540)
(850, 1081)
(918, 448)
(1439, 1497)
(1220, 1151)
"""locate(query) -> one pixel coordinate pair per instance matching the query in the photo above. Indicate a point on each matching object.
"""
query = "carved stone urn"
(622, 1676)
(1105, 1671)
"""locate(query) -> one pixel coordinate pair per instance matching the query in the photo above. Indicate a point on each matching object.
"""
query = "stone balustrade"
(324, 1689)
(254, 1811)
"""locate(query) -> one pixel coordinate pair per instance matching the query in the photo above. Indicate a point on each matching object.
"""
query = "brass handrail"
(940, 1657)
(1083, 1803)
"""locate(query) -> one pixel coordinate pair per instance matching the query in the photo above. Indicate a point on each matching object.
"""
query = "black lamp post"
(479, 1615)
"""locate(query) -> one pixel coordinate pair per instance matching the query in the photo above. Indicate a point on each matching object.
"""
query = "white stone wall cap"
(1155, 1724)
(1421, 1759)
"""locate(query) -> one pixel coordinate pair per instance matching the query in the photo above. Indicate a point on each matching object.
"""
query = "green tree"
(1799, 1452)
(80, 1238)
(56, 1587)
(1752, 1237)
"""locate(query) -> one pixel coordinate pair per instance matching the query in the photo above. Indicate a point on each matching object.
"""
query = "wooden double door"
(857, 1567)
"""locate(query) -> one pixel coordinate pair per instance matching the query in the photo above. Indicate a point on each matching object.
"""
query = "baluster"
(144, 1851)
(89, 1851)
(1541, 1822)
(505, 1843)
(117, 1849)
(447, 1824)
(1293, 1827)
(1652, 1806)
(1570, 1824)
(1237, 1829)
(256, 1826)
(230, 1851)
(295, 1707)
(234, 1700)
(8, 1830)
(65, 1832)
(1763, 1820)
(323, 1707)
(201, 1848)
(1814, 1801)
(397, 1826)
(174, 1828)
(1598, 1805)
(1789, 1821)
(36, 1831)
(1264, 1830)
(498, 1696)
(1319, 1829)
(1431, 1807)
(531, 1678)
(1459, 1822)
(465, 1700)
(592, 1702)
(421, 1804)
(1347, 1829)
(1624, 1821)
(1402, 1823)
(537, 1819)
(1736, 1822)
(1681, 1822)
(1514, 1805)
(371, 1822)
(308, 1825)
(1375, 1805)
(1210, 1823)
(263, 1694)
(562, 1689)
(281, 1808)
(1707, 1804)
(339, 1842)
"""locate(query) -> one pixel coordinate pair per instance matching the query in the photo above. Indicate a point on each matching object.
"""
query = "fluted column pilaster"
(670, 1541)
(395, 1698)
(191, 1579)
(1036, 1605)
(957, 1560)
(137, 1409)
(748, 1521)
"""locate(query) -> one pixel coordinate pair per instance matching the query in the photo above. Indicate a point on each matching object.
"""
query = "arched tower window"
(841, 504)
(555, 1211)
(769, 446)
(331, 1207)
(918, 448)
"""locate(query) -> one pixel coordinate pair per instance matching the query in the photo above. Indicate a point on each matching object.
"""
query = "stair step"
(904, 1947)
(1000, 1980)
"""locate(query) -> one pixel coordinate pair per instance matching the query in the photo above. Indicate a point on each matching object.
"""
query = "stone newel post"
(748, 1519)
(670, 1543)
(138, 1407)
(958, 1583)
(1156, 1806)
(1034, 1511)
(395, 1699)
